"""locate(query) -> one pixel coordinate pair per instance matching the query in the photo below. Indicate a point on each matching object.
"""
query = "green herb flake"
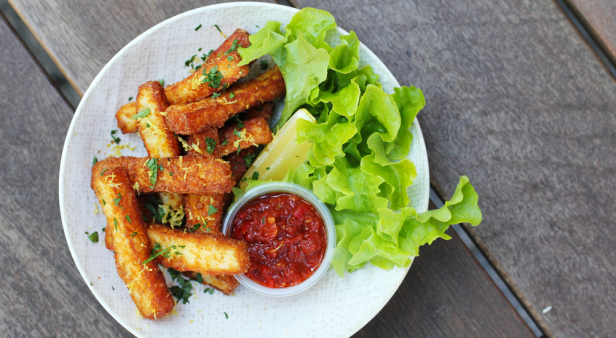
(196, 29)
(143, 113)
(199, 278)
(213, 78)
(226, 315)
(112, 288)
(94, 160)
(116, 201)
(224, 143)
(130, 99)
(230, 58)
(218, 29)
(248, 159)
(233, 47)
(263, 220)
(215, 95)
(268, 168)
(128, 219)
(189, 61)
(238, 122)
(134, 233)
(171, 173)
(210, 145)
(158, 253)
(237, 133)
(115, 222)
(212, 210)
(231, 95)
(93, 237)
(115, 139)
(255, 176)
(162, 82)
(152, 165)
(198, 50)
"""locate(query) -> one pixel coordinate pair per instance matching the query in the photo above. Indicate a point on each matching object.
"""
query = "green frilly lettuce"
(358, 163)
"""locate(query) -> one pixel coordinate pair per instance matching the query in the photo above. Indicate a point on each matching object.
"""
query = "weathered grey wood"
(518, 102)
(600, 17)
(82, 36)
(446, 294)
(42, 293)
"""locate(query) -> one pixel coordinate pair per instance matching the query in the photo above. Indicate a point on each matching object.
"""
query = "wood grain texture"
(42, 294)
(600, 17)
(82, 36)
(446, 294)
(518, 102)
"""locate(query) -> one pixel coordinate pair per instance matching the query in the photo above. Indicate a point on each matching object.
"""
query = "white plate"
(335, 307)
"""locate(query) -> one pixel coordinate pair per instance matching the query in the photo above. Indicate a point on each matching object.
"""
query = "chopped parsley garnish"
(233, 47)
(171, 173)
(231, 95)
(226, 315)
(239, 148)
(130, 98)
(93, 237)
(117, 200)
(115, 139)
(210, 145)
(115, 222)
(218, 29)
(157, 251)
(237, 133)
(215, 95)
(143, 113)
(263, 220)
(248, 159)
(196, 29)
(198, 50)
(103, 229)
(147, 125)
(152, 164)
(268, 168)
(162, 82)
(189, 61)
(224, 143)
(134, 233)
(112, 288)
(94, 160)
(183, 291)
(195, 227)
(212, 210)
(230, 58)
(208, 290)
(213, 78)
(264, 64)
(225, 86)
(128, 219)
(255, 176)
(238, 122)
(199, 278)
(207, 230)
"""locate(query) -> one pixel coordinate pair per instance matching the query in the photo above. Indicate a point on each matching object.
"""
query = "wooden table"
(515, 99)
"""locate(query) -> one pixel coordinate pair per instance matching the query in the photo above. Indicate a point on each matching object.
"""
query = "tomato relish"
(286, 239)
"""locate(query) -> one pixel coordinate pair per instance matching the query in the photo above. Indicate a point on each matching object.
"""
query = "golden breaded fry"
(208, 254)
(229, 138)
(199, 214)
(255, 131)
(222, 283)
(238, 162)
(195, 87)
(127, 234)
(197, 175)
(158, 140)
(124, 116)
(264, 111)
(198, 143)
(213, 112)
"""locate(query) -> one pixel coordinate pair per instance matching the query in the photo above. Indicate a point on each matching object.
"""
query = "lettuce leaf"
(345, 57)
(313, 24)
(328, 137)
(268, 40)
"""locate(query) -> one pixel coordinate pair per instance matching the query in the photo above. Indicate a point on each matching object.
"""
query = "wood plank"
(518, 102)
(82, 36)
(600, 17)
(446, 294)
(43, 294)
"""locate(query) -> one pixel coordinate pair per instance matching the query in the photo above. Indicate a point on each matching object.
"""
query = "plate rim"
(78, 112)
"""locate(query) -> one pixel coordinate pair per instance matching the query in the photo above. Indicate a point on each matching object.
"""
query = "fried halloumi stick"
(202, 143)
(204, 212)
(158, 140)
(222, 283)
(220, 71)
(264, 111)
(197, 175)
(213, 112)
(125, 121)
(126, 235)
(208, 254)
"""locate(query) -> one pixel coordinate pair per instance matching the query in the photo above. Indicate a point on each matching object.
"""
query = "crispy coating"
(197, 143)
(255, 131)
(222, 283)
(158, 140)
(208, 254)
(238, 163)
(264, 111)
(124, 116)
(213, 112)
(197, 175)
(193, 89)
(198, 213)
(126, 235)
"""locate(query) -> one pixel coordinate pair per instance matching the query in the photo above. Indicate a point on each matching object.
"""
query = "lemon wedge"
(283, 152)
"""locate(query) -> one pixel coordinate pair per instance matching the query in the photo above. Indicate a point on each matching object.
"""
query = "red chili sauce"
(286, 239)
